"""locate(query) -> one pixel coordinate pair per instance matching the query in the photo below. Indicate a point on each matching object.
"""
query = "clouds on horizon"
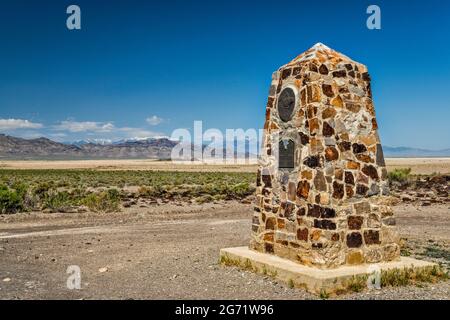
(72, 130)
(154, 120)
(14, 124)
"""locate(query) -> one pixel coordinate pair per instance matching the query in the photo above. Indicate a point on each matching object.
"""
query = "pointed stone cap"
(321, 53)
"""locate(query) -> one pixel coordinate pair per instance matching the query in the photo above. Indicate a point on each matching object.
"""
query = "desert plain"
(166, 247)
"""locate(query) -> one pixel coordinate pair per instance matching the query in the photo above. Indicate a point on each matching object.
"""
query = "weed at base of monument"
(324, 294)
(411, 276)
(291, 284)
(398, 278)
(246, 265)
(356, 283)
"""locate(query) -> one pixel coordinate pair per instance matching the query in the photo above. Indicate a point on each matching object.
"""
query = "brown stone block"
(338, 190)
(349, 178)
(306, 174)
(355, 222)
(327, 90)
(364, 158)
(344, 145)
(361, 207)
(304, 138)
(337, 102)
(386, 211)
(319, 181)
(281, 223)
(353, 107)
(312, 162)
(313, 67)
(296, 71)
(331, 153)
(313, 93)
(324, 198)
(286, 73)
(374, 124)
(268, 247)
(362, 178)
(268, 236)
(314, 210)
(316, 145)
(368, 140)
(311, 111)
(323, 69)
(340, 74)
(328, 213)
(354, 257)
(389, 235)
(314, 126)
(315, 234)
(270, 223)
(335, 237)
(371, 237)
(358, 148)
(373, 221)
(352, 165)
(273, 126)
(354, 240)
(301, 211)
(349, 192)
(302, 234)
(303, 97)
(371, 171)
(391, 252)
(328, 113)
(339, 174)
(294, 245)
(327, 130)
(291, 191)
(303, 189)
(324, 224)
(289, 210)
(269, 105)
(361, 189)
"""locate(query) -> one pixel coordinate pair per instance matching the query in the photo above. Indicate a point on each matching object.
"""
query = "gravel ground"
(171, 252)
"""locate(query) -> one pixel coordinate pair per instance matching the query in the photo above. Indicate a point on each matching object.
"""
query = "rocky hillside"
(43, 148)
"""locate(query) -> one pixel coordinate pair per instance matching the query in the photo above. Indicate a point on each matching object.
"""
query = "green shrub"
(399, 175)
(58, 201)
(105, 201)
(10, 200)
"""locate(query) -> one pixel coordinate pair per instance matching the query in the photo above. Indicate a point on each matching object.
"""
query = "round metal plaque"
(286, 104)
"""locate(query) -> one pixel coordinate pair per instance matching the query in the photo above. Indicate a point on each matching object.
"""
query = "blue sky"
(145, 68)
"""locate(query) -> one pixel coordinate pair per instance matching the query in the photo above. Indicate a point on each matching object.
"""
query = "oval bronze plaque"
(286, 104)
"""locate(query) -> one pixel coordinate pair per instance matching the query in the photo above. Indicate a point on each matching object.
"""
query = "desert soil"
(171, 252)
(417, 165)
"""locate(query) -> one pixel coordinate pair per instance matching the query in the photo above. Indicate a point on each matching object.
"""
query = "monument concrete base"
(314, 280)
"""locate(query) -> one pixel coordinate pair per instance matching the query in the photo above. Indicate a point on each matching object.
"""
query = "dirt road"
(169, 252)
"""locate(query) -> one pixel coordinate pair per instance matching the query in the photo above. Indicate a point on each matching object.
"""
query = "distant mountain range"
(405, 152)
(154, 148)
(43, 148)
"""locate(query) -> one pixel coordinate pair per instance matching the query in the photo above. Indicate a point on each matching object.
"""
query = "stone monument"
(321, 185)
(320, 195)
